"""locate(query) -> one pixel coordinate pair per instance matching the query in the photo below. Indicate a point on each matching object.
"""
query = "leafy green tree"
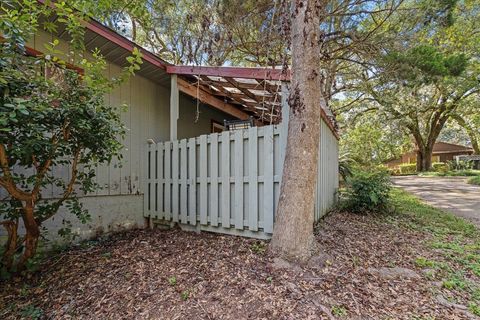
(428, 67)
(371, 141)
(51, 114)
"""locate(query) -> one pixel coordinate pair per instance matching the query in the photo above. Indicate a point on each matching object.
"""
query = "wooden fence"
(229, 182)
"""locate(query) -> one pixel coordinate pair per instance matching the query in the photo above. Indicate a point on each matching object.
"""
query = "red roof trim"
(233, 72)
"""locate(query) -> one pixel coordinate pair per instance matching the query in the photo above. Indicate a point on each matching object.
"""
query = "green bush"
(408, 168)
(459, 165)
(439, 167)
(474, 180)
(367, 191)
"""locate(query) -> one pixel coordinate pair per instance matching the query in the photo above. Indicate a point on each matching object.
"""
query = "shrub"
(408, 168)
(394, 171)
(367, 191)
(439, 167)
(474, 180)
(459, 165)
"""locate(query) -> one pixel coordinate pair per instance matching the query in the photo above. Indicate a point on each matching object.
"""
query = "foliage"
(474, 180)
(172, 281)
(367, 141)
(32, 312)
(367, 191)
(455, 173)
(339, 311)
(424, 74)
(459, 165)
(345, 166)
(408, 168)
(52, 115)
(440, 167)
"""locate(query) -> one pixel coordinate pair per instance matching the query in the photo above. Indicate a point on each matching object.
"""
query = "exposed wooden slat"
(238, 152)
(175, 182)
(192, 173)
(247, 92)
(268, 186)
(226, 179)
(183, 181)
(214, 179)
(168, 180)
(161, 180)
(252, 181)
(203, 96)
(235, 72)
(151, 179)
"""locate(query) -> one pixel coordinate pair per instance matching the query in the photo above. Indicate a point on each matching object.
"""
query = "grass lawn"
(458, 173)
(474, 180)
(416, 263)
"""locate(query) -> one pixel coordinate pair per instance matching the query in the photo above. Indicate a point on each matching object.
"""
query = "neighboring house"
(442, 152)
(219, 181)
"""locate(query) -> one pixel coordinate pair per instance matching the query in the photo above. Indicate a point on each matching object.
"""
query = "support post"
(174, 107)
(284, 123)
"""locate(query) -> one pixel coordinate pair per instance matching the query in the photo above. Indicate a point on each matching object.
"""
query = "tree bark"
(472, 134)
(293, 232)
(11, 244)
(31, 237)
(424, 159)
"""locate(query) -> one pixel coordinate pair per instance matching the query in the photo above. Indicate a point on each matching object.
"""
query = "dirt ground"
(155, 274)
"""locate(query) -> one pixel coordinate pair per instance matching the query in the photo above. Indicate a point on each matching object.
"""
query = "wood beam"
(245, 91)
(205, 97)
(174, 107)
(233, 72)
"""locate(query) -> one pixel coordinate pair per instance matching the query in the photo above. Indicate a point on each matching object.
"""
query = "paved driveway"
(452, 194)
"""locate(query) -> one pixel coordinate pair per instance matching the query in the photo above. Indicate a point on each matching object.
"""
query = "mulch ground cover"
(366, 270)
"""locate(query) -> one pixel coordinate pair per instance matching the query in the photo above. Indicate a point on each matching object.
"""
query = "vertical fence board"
(203, 180)
(192, 172)
(183, 181)
(214, 180)
(175, 186)
(160, 180)
(168, 181)
(151, 180)
(253, 179)
(268, 213)
(238, 153)
(226, 179)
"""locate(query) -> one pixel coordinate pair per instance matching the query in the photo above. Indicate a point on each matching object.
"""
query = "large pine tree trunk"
(293, 231)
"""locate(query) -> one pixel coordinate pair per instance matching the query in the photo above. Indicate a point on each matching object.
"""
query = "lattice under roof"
(253, 90)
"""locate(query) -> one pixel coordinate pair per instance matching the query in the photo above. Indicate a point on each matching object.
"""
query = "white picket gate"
(228, 182)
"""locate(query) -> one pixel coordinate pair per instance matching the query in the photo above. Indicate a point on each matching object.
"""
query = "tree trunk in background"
(293, 232)
(470, 131)
(424, 159)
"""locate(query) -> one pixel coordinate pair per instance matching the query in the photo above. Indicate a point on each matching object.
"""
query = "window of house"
(435, 158)
(217, 127)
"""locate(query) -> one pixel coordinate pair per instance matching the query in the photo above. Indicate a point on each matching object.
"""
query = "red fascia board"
(35, 53)
(232, 72)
